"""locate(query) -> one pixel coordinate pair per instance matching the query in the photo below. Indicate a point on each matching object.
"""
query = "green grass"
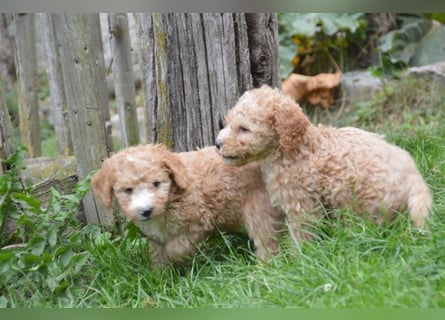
(352, 263)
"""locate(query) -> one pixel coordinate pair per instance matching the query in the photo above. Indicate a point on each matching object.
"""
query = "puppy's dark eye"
(243, 129)
(156, 184)
(128, 190)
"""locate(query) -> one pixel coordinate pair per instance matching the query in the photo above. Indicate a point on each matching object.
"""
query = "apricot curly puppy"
(307, 167)
(179, 199)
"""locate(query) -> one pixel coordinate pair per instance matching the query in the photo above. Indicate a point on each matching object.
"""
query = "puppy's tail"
(419, 204)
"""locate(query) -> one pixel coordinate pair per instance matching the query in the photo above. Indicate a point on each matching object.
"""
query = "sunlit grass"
(352, 262)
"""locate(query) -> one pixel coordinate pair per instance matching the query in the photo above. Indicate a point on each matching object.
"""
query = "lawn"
(352, 263)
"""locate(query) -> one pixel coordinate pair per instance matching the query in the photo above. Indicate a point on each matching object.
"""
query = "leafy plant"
(316, 42)
(399, 46)
(10, 184)
(44, 251)
(418, 40)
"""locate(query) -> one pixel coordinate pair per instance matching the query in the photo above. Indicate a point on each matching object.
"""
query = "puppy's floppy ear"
(102, 183)
(177, 170)
(290, 124)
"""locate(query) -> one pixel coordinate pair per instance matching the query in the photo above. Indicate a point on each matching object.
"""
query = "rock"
(362, 85)
(359, 86)
(434, 73)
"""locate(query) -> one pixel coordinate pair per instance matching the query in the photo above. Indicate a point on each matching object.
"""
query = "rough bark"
(26, 62)
(196, 65)
(263, 46)
(57, 90)
(99, 60)
(123, 78)
(78, 55)
(6, 133)
(7, 51)
(153, 60)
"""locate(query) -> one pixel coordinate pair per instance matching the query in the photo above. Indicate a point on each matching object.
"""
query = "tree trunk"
(196, 65)
(6, 134)
(55, 79)
(26, 62)
(7, 52)
(263, 45)
(78, 56)
(123, 78)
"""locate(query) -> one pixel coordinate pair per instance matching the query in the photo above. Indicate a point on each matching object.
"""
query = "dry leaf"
(315, 89)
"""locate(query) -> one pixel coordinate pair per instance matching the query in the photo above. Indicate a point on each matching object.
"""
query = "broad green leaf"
(52, 237)
(431, 48)
(305, 25)
(51, 283)
(65, 258)
(329, 26)
(6, 256)
(79, 260)
(61, 287)
(28, 202)
(287, 52)
(401, 44)
(37, 245)
(61, 250)
(3, 302)
(30, 259)
(5, 187)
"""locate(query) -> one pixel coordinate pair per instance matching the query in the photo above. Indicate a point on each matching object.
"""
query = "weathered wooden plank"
(99, 60)
(42, 174)
(26, 62)
(7, 141)
(80, 75)
(57, 91)
(242, 53)
(145, 41)
(263, 46)
(123, 78)
(8, 72)
(202, 119)
(195, 66)
(216, 42)
(176, 41)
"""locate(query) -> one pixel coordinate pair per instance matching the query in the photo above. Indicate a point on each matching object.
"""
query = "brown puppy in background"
(179, 199)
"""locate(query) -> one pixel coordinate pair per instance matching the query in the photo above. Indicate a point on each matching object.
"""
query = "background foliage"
(312, 43)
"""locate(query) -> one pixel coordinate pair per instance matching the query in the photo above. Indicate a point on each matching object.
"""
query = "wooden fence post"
(8, 72)
(102, 91)
(262, 31)
(57, 90)
(78, 57)
(26, 62)
(196, 65)
(153, 65)
(123, 78)
(6, 133)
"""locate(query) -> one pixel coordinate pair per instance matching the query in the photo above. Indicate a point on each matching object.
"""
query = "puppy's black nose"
(147, 212)
(218, 143)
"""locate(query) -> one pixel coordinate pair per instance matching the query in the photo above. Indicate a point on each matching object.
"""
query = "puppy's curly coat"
(179, 199)
(307, 167)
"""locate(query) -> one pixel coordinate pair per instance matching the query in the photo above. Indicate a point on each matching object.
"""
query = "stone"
(359, 86)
